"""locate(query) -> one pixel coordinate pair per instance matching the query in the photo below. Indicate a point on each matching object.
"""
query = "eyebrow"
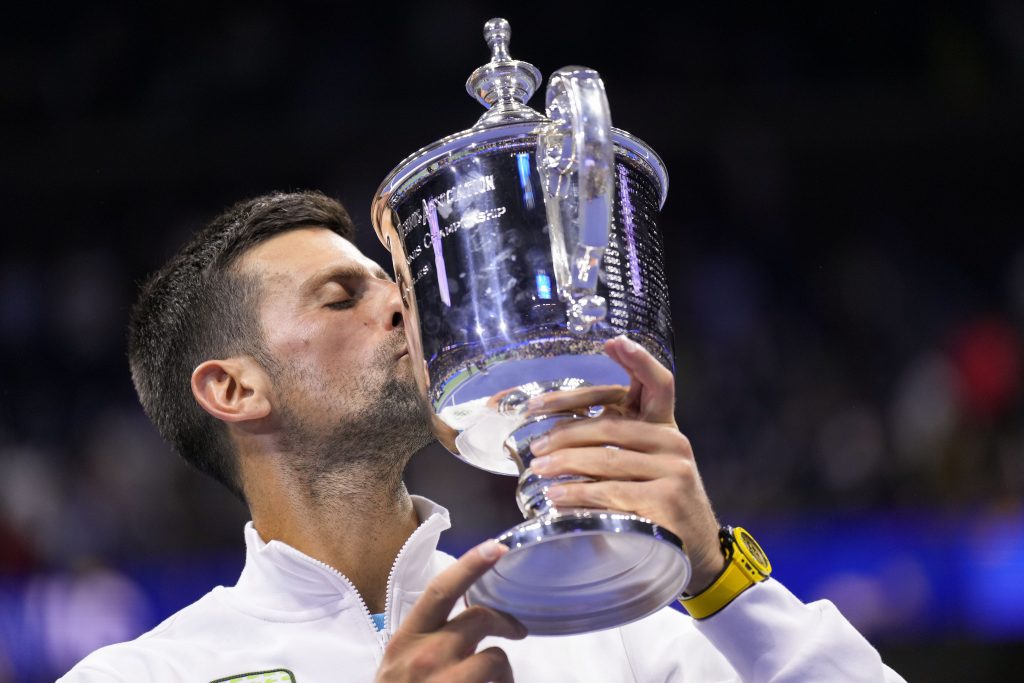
(336, 273)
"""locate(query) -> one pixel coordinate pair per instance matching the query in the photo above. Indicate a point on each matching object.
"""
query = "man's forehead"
(303, 253)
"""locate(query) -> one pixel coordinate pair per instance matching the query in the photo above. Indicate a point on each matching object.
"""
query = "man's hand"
(650, 469)
(428, 647)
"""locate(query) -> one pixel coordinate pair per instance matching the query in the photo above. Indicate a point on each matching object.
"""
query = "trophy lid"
(503, 85)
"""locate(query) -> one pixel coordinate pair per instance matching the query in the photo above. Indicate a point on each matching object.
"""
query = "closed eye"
(340, 305)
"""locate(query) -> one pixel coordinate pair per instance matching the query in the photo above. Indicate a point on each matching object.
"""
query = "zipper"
(382, 637)
(351, 586)
(391, 578)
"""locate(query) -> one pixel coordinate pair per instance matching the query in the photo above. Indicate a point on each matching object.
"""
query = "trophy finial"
(497, 33)
(503, 85)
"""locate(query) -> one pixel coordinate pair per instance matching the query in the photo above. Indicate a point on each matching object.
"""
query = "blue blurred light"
(543, 285)
(523, 164)
(994, 578)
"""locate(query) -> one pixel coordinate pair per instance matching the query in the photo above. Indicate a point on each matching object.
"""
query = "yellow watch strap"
(739, 575)
(724, 590)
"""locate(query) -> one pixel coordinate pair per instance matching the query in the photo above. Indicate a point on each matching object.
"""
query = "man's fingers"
(611, 495)
(599, 462)
(433, 607)
(487, 666)
(611, 430)
(477, 623)
(650, 395)
(428, 646)
(657, 390)
(577, 399)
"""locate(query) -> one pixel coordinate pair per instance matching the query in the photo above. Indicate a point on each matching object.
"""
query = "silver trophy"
(520, 246)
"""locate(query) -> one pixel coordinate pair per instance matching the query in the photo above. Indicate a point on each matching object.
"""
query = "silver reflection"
(521, 245)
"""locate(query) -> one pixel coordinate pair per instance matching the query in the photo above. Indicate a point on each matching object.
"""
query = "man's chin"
(409, 409)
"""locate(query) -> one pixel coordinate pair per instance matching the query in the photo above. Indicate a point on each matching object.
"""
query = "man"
(271, 354)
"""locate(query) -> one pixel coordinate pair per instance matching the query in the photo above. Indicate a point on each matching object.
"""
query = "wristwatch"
(745, 565)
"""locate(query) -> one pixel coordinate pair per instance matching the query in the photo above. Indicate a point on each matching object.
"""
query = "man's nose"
(393, 310)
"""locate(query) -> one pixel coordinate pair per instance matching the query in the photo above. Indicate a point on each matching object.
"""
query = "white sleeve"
(766, 635)
(92, 674)
(118, 663)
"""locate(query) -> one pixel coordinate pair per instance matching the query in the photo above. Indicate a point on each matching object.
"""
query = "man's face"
(343, 386)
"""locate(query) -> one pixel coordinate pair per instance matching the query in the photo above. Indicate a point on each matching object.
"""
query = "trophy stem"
(532, 490)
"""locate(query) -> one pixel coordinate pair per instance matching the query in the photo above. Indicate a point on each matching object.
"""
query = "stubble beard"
(363, 455)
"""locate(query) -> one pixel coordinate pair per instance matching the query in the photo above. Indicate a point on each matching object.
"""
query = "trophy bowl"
(520, 246)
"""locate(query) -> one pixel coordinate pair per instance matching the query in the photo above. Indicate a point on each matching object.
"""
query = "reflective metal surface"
(583, 570)
(503, 85)
(521, 246)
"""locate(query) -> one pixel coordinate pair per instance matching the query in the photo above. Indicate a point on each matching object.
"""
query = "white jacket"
(294, 618)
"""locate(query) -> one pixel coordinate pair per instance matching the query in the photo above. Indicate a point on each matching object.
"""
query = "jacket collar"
(282, 583)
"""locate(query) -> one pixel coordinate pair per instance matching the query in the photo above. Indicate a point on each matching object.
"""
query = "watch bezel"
(753, 551)
(756, 561)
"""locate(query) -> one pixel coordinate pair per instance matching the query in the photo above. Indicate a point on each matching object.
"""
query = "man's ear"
(232, 390)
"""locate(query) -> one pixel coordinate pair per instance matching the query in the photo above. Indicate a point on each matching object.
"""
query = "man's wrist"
(705, 573)
(745, 565)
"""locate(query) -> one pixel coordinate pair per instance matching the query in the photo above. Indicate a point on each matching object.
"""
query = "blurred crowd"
(887, 388)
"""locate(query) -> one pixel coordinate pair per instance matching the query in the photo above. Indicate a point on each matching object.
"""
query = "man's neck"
(354, 523)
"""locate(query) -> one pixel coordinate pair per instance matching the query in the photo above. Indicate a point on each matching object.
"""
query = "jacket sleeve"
(91, 674)
(765, 635)
(117, 663)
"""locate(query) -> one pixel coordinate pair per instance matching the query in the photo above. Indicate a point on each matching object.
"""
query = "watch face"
(753, 550)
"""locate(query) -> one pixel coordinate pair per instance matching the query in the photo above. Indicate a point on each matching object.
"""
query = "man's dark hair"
(199, 306)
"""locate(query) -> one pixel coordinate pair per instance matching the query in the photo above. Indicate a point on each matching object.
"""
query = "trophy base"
(581, 570)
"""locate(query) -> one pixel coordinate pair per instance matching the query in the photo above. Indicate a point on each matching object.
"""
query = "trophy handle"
(576, 159)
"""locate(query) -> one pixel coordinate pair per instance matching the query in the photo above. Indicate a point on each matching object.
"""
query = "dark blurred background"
(844, 232)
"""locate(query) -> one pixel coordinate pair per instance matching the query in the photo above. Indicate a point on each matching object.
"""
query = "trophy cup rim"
(418, 165)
